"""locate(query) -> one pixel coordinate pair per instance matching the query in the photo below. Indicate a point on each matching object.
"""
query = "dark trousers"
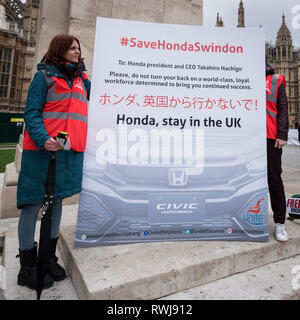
(275, 183)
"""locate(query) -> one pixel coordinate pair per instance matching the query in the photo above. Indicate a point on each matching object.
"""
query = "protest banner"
(293, 207)
(176, 145)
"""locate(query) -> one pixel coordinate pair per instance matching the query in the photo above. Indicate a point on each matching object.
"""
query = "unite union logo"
(253, 215)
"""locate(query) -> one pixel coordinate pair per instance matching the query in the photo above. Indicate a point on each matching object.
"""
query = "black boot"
(56, 271)
(28, 273)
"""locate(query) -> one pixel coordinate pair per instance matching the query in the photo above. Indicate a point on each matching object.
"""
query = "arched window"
(9, 82)
(278, 54)
(5, 67)
(283, 52)
(14, 92)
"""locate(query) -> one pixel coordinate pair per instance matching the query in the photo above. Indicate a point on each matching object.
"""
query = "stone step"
(9, 192)
(158, 269)
(164, 270)
(62, 290)
(276, 281)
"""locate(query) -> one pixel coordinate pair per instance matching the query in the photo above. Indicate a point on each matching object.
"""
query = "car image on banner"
(123, 203)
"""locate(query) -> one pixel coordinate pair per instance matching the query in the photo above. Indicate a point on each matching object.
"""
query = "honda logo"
(178, 177)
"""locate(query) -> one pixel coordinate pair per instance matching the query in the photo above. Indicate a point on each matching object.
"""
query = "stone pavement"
(273, 281)
(8, 233)
(170, 270)
(156, 270)
(166, 270)
(63, 290)
(291, 169)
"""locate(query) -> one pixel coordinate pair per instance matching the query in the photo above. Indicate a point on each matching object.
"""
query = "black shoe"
(56, 271)
(28, 273)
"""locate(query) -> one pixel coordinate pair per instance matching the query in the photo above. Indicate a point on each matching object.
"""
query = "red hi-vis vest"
(65, 110)
(273, 82)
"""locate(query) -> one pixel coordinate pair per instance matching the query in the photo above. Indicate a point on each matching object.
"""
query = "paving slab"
(275, 281)
(62, 290)
(158, 270)
(154, 270)
(291, 180)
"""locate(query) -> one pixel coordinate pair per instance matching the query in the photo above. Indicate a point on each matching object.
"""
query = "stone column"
(53, 20)
(82, 24)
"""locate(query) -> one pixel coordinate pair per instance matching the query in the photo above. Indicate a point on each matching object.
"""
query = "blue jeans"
(27, 223)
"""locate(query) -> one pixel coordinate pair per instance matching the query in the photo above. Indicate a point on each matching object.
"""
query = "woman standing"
(57, 102)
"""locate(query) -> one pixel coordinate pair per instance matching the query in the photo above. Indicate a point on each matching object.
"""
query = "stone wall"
(78, 18)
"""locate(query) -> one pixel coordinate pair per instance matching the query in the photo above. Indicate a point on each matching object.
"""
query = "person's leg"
(27, 223)
(27, 275)
(276, 188)
(26, 226)
(56, 271)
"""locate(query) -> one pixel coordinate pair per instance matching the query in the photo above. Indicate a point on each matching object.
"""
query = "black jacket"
(283, 114)
(283, 110)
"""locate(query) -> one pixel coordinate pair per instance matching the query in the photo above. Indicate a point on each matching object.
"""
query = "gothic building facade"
(285, 58)
(241, 16)
(18, 23)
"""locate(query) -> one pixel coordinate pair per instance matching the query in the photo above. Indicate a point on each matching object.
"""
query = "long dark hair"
(58, 47)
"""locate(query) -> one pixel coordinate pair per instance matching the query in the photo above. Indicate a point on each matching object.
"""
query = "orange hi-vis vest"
(65, 110)
(273, 82)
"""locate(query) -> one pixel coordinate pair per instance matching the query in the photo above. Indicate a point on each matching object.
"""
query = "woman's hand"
(52, 145)
(279, 143)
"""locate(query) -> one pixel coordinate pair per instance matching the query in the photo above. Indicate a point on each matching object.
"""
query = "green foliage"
(6, 156)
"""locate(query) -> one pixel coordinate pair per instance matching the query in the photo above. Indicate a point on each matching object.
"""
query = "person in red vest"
(57, 101)
(277, 136)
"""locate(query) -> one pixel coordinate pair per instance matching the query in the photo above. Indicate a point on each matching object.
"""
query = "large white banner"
(176, 144)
